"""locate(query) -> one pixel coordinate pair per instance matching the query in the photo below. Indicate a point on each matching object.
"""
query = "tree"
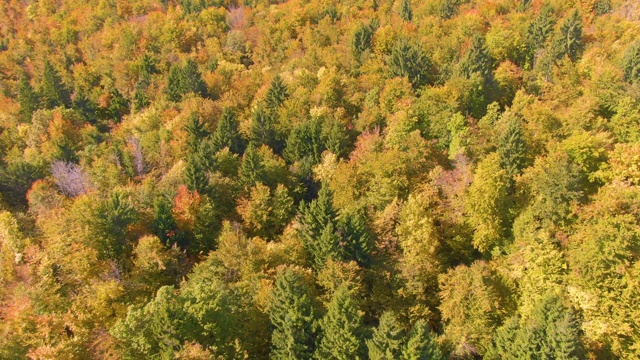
(568, 42)
(512, 150)
(252, 170)
(263, 131)
(52, 91)
(409, 60)
(164, 225)
(539, 31)
(631, 63)
(405, 10)
(227, 135)
(191, 80)
(291, 315)
(488, 206)
(196, 132)
(387, 339)
(27, 98)
(342, 329)
(355, 238)
(421, 344)
(477, 59)
(118, 105)
(361, 38)
(315, 218)
(276, 94)
(305, 141)
(173, 90)
(196, 177)
(552, 332)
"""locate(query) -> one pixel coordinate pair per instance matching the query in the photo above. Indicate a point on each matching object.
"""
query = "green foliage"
(227, 135)
(361, 38)
(191, 79)
(27, 97)
(196, 132)
(568, 41)
(512, 150)
(387, 339)
(409, 60)
(477, 59)
(421, 344)
(252, 170)
(291, 315)
(631, 63)
(52, 90)
(276, 94)
(342, 329)
(305, 141)
(552, 332)
(539, 31)
(263, 130)
(405, 10)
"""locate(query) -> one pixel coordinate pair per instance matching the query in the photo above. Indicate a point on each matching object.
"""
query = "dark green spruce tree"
(263, 131)
(191, 80)
(27, 98)
(512, 149)
(173, 90)
(405, 10)
(291, 315)
(408, 59)
(252, 170)
(631, 63)
(276, 94)
(53, 92)
(568, 42)
(196, 132)
(227, 134)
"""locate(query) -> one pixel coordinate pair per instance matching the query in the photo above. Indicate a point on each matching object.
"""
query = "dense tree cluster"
(375, 179)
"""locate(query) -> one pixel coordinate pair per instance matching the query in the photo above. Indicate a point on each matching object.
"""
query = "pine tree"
(305, 141)
(276, 94)
(174, 87)
(196, 132)
(421, 344)
(317, 215)
(191, 80)
(87, 108)
(325, 247)
(342, 329)
(512, 150)
(568, 41)
(252, 169)
(53, 92)
(410, 60)
(355, 238)
(631, 63)
(164, 225)
(227, 135)
(27, 97)
(291, 315)
(405, 10)
(387, 339)
(140, 98)
(539, 31)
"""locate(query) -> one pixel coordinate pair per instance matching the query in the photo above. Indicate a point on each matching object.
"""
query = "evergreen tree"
(512, 151)
(164, 225)
(53, 92)
(140, 98)
(539, 31)
(569, 40)
(227, 135)
(386, 343)
(263, 130)
(405, 10)
(196, 177)
(448, 8)
(325, 247)
(118, 105)
(27, 97)
(276, 94)
(409, 60)
(196, 132)
(421, 344)
(361, 38)
(85, 106)
(631, 63)
(191, 80)
(316, 216)
(252, 170)
(355, 239)
(342, 329)
(291, 315)
(173, 90)
(477, 59)
(305, 141)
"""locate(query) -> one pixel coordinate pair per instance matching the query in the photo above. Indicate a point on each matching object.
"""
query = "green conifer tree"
(53, 92)
(512, 151)
(421, 344)
(292, 318)
(568, 42)
(227, 135)
(191, 80)
(409, 60)
(387, 339)
(196, 132)
(262, 130)
(276, 94)
(27, 97)
(342, 329)
(405, 10)
(252, 170)
(631, 63)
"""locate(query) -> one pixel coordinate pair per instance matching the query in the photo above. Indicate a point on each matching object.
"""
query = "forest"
(320, 179)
